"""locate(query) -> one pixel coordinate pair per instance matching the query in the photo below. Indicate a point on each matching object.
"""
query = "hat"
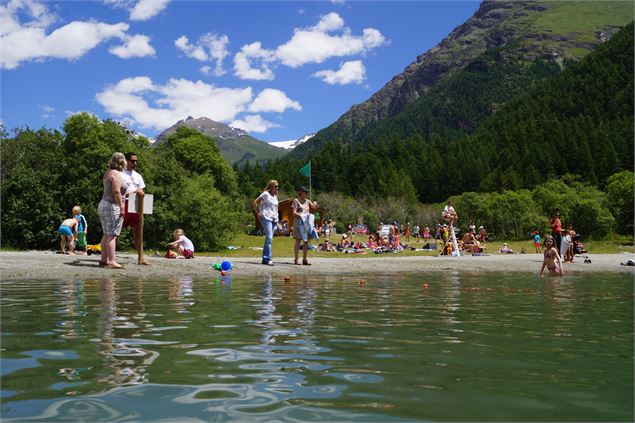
(394, 222)
(480, 227)
(303, 189)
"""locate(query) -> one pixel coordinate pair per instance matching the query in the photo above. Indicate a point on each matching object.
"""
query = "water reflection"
(318, 347)
(121, 320)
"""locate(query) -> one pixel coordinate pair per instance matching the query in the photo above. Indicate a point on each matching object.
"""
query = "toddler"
(182, 244)
(82, 229)
(66, 231)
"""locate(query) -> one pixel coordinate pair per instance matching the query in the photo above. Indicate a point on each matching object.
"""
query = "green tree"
(619, 193)
(32, 187)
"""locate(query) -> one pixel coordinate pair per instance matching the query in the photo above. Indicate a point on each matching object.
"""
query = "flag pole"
(310, 180)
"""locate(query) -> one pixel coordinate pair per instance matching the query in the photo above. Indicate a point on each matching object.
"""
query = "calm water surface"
(485, 347)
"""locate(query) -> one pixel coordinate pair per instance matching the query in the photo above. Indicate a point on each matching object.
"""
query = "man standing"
(135, 186)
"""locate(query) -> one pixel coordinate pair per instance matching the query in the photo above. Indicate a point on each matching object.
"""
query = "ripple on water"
(319, 350)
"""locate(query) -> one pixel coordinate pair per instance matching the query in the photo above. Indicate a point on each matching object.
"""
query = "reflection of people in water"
(180, 290)
(124, 364)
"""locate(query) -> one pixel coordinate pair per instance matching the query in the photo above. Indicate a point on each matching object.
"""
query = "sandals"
(306, 262)
(112, 266)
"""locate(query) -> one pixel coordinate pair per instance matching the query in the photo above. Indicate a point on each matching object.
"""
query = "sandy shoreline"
(48, 265)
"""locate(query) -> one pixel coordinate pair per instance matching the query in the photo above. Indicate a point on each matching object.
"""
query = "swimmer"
(552, 260)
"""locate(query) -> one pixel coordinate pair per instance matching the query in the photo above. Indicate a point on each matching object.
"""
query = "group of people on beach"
(266, 208)
(119, 181)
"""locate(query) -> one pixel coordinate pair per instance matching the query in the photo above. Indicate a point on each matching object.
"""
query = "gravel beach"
(49, 265)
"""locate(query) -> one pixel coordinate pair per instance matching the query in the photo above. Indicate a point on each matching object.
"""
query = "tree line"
(47, 172)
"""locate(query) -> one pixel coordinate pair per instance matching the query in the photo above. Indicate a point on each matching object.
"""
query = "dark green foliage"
(46, 173)
(32, 186)
(195, 190)
(619, 193)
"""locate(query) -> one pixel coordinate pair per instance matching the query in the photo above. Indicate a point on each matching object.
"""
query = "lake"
(437, 346)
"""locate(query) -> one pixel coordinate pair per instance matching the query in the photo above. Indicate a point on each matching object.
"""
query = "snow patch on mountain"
(289, 145)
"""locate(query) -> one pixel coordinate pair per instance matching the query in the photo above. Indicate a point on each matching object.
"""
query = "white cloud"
(147, 9)
(149, 105)
(248, 54)
(348, 73)
(328, 38)
(134, 46)
(26, 41)
(253, 123)
(272, 100)
(317, 44)
(205, 70)
(191, 51)
(47, 111)
(209, 47)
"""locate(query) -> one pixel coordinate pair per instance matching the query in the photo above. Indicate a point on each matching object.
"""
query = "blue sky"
(279, 70)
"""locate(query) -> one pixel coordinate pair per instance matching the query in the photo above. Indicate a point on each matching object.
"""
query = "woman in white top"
(301, 207)
(266, 209)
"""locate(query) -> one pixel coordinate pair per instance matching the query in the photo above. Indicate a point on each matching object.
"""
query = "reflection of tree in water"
(121, 319)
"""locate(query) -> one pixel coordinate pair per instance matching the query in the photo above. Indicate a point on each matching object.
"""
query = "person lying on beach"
(552, 260)
(505, 249)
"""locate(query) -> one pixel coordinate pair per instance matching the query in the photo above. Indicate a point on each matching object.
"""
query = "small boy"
(66, 231)
(537, 241)
(82, 229)
(182, 244)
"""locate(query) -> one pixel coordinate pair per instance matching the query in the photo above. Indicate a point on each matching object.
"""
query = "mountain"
(290, 145)
(501, 51)
(235, 145)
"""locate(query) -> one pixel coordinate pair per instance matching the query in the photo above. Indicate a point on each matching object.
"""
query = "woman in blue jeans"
(266, 208)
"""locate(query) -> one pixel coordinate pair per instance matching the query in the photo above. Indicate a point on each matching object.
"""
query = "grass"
(283, 247)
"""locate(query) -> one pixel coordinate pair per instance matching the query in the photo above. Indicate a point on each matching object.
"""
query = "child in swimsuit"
(68, 232)
(552, 260)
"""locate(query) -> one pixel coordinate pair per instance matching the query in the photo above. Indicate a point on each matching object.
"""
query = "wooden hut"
(286, 214)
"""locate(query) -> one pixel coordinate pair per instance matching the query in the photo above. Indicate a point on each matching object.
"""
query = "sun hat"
(303, 189)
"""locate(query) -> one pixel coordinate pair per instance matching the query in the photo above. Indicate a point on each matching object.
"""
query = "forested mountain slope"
(579, 121)
(495, 55)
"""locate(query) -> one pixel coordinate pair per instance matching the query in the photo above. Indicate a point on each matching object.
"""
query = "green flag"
(306, 169)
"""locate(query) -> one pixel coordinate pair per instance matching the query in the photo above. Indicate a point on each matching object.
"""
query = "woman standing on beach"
(111, 210)
(266, 209)
(301, 232)
(556, 229)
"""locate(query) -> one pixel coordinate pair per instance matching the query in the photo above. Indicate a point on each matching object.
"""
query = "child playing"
(182, 244)
(66, 231)
(82, 229)
(552, 260)
(426, 234)
(537, 241)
